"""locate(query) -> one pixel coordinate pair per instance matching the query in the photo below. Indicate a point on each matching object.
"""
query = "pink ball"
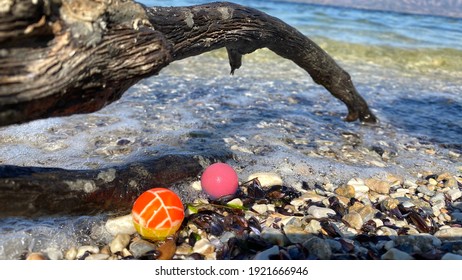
(219, 179)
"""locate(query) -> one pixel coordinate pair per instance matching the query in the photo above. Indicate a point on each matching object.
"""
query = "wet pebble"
(320, 212)
(425, 190)
(453, 232)
(451, 256)
(268, 253)
(120, 225)
(71, 254)
(97, 257)
(140, 247)
(203, 247)
(36, 257)
(318, 247)
(454, 194)
(119, 243)
(275, 236)
(267, 179)
(395, 254)
(378, 186)
(354, 220)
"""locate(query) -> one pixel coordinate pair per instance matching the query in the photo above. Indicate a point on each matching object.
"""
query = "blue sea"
(270, 114)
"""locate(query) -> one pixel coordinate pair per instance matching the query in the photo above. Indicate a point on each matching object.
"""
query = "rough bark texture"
(33, 191)
(63, 57)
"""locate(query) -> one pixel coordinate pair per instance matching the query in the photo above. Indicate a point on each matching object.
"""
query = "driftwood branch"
(34, 191)
(62, 57)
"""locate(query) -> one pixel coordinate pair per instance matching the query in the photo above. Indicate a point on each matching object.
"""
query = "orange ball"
(157, 213)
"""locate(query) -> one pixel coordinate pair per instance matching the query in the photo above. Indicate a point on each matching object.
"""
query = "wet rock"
(359, 186)
(54, 254)
(235, 203)
(266, 254)
(451, 256)
(295, 234)
(318, 247)
(453, 232)
(320, 212)
(267, 179)
(97, 257)
(260, 208)
(390, 204)
(184, 249)
(36, 257)
(119, 242)
(312, 196)
(456, 216)
(120, 225)
(425, 190)
(71, 254)
(203, 247)
(378, 186)
(140, 247)
(416, 243)
(354, 220)
(346, 191)
(395, 254)
(86, 250)
(167, 249)
(314, 227)
(367, 212)
(274, 236)
(386, 231)
(454, 194)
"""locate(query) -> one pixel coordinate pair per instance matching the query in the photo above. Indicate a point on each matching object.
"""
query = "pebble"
(71, 254)
(260, 208)
(295, 234)
(97, 257)
(378, 186)
(367, 213)
(203, 247)
(457, 216)
(84, 249)
(359, 186)
(312, 196)
(346, 191)
(120, 225)
(395, 254)
(453, 232)
(236, 203)
(314, 227)
(266, 254)
(36, 257)
(354, 220)
(451, 256)
(140, 247)
(275, 236)
(425, 190)
(267, 179)
(318, 247)
(320, 212)
(454, 194)
(119, 243)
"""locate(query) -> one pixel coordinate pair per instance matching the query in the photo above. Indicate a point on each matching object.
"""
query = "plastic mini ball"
(219, 179)
(157, 213)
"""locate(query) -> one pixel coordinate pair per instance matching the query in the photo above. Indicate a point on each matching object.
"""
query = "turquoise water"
(270, 114)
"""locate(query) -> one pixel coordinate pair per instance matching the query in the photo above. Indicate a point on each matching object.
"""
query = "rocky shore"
(390, 217)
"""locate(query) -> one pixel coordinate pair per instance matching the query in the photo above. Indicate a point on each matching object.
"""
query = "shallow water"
(270, 114)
